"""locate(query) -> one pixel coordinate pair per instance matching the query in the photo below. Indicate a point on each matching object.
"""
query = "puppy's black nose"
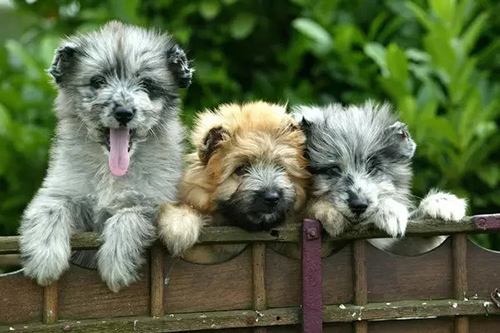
(271, 198)
(123, 115)
(358, 206)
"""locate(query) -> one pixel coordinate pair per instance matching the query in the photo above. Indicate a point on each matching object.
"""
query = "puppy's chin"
(251, 221)
(261, 221)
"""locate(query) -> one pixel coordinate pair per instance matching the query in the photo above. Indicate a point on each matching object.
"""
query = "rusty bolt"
(481, 222)
(311, 233)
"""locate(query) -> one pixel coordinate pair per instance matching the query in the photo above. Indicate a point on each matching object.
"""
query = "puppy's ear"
(63, 63)
(210, 143)
(407, 146)
(180, 66)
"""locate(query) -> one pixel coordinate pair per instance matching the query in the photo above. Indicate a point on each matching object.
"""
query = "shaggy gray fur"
(360, 156)
(117, 66)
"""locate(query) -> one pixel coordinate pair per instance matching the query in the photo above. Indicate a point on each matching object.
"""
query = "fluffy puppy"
(248, 170)
(360, 158)
(117, 153)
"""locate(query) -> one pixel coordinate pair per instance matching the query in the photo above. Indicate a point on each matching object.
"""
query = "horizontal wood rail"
(413, 309)
(292, 233)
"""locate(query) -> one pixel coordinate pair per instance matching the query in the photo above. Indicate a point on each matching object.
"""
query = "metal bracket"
(312, 301)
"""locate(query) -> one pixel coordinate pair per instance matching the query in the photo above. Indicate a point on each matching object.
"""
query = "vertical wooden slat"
(360, 281)
(460, 277)
(157, 280)
(50, 303)
(259, 280)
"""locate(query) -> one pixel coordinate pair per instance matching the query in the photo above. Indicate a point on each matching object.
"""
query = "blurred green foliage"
(436, 60)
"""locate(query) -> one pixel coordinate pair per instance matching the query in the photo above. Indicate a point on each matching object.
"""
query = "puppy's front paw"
(44, 242)
(125, 237)
(440, 205)
(46, 264)
(332, 220)
(179, 227)
(392, 217)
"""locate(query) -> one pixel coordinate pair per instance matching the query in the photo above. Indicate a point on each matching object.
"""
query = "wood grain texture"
(196, 287)
(483, 271)
(407, 310)
(21, 300)
(284, 285)
(82, 294)
(459, 243)
(259, 280)
(484, 324)
(394, 278)
(361, 282)
(50, 303)
(259, 276)
(287, 234)
(440, 325)
(157, 280)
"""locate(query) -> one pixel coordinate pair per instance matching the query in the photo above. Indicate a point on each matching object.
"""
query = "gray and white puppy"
(117, 153)
(360, 158)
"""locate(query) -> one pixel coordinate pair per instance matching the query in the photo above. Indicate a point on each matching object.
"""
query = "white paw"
(179, 227)
(44, 241)
(392, 217)
(117, 274)
(125, 237)
(445, 206)
(47, 263)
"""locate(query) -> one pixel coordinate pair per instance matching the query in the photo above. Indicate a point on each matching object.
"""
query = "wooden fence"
(364, 289)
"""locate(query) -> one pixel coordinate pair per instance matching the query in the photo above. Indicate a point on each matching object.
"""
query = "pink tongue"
(119, 158)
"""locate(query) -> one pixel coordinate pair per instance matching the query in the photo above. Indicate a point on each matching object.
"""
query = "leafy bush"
(436, 61)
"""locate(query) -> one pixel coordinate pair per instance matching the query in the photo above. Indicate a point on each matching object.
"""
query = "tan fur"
(252, 132)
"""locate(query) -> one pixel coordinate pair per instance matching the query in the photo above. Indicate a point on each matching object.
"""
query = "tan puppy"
(248, 170)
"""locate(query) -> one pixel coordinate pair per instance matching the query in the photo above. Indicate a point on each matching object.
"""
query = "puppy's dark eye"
(97, 81)
(242, 170)
(151, 88)
(374, 169)
(334, 170)
(330, 170)
(374, 166)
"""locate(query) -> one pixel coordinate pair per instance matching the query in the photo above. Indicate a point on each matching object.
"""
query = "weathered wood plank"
(411, 309)
(274, 317)
(21, 299)
(196, 287)
(157, 280)
(361, 282)
(396, 278)
(50, 302)
(287, 234)
(459, 243)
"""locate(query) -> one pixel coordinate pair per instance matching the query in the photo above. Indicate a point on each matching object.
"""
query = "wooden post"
(360, 281)
(157, 280)
(460, 277)
(259, 281)
(50, 303)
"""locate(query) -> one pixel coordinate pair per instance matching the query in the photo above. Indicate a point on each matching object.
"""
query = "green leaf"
(490, 175)
(5, 121)
(314, 31)
(421, 15)
(397, 64)
(242, 25)
(209, 9)
(471, 35)
(377, 52)
(445, 9)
